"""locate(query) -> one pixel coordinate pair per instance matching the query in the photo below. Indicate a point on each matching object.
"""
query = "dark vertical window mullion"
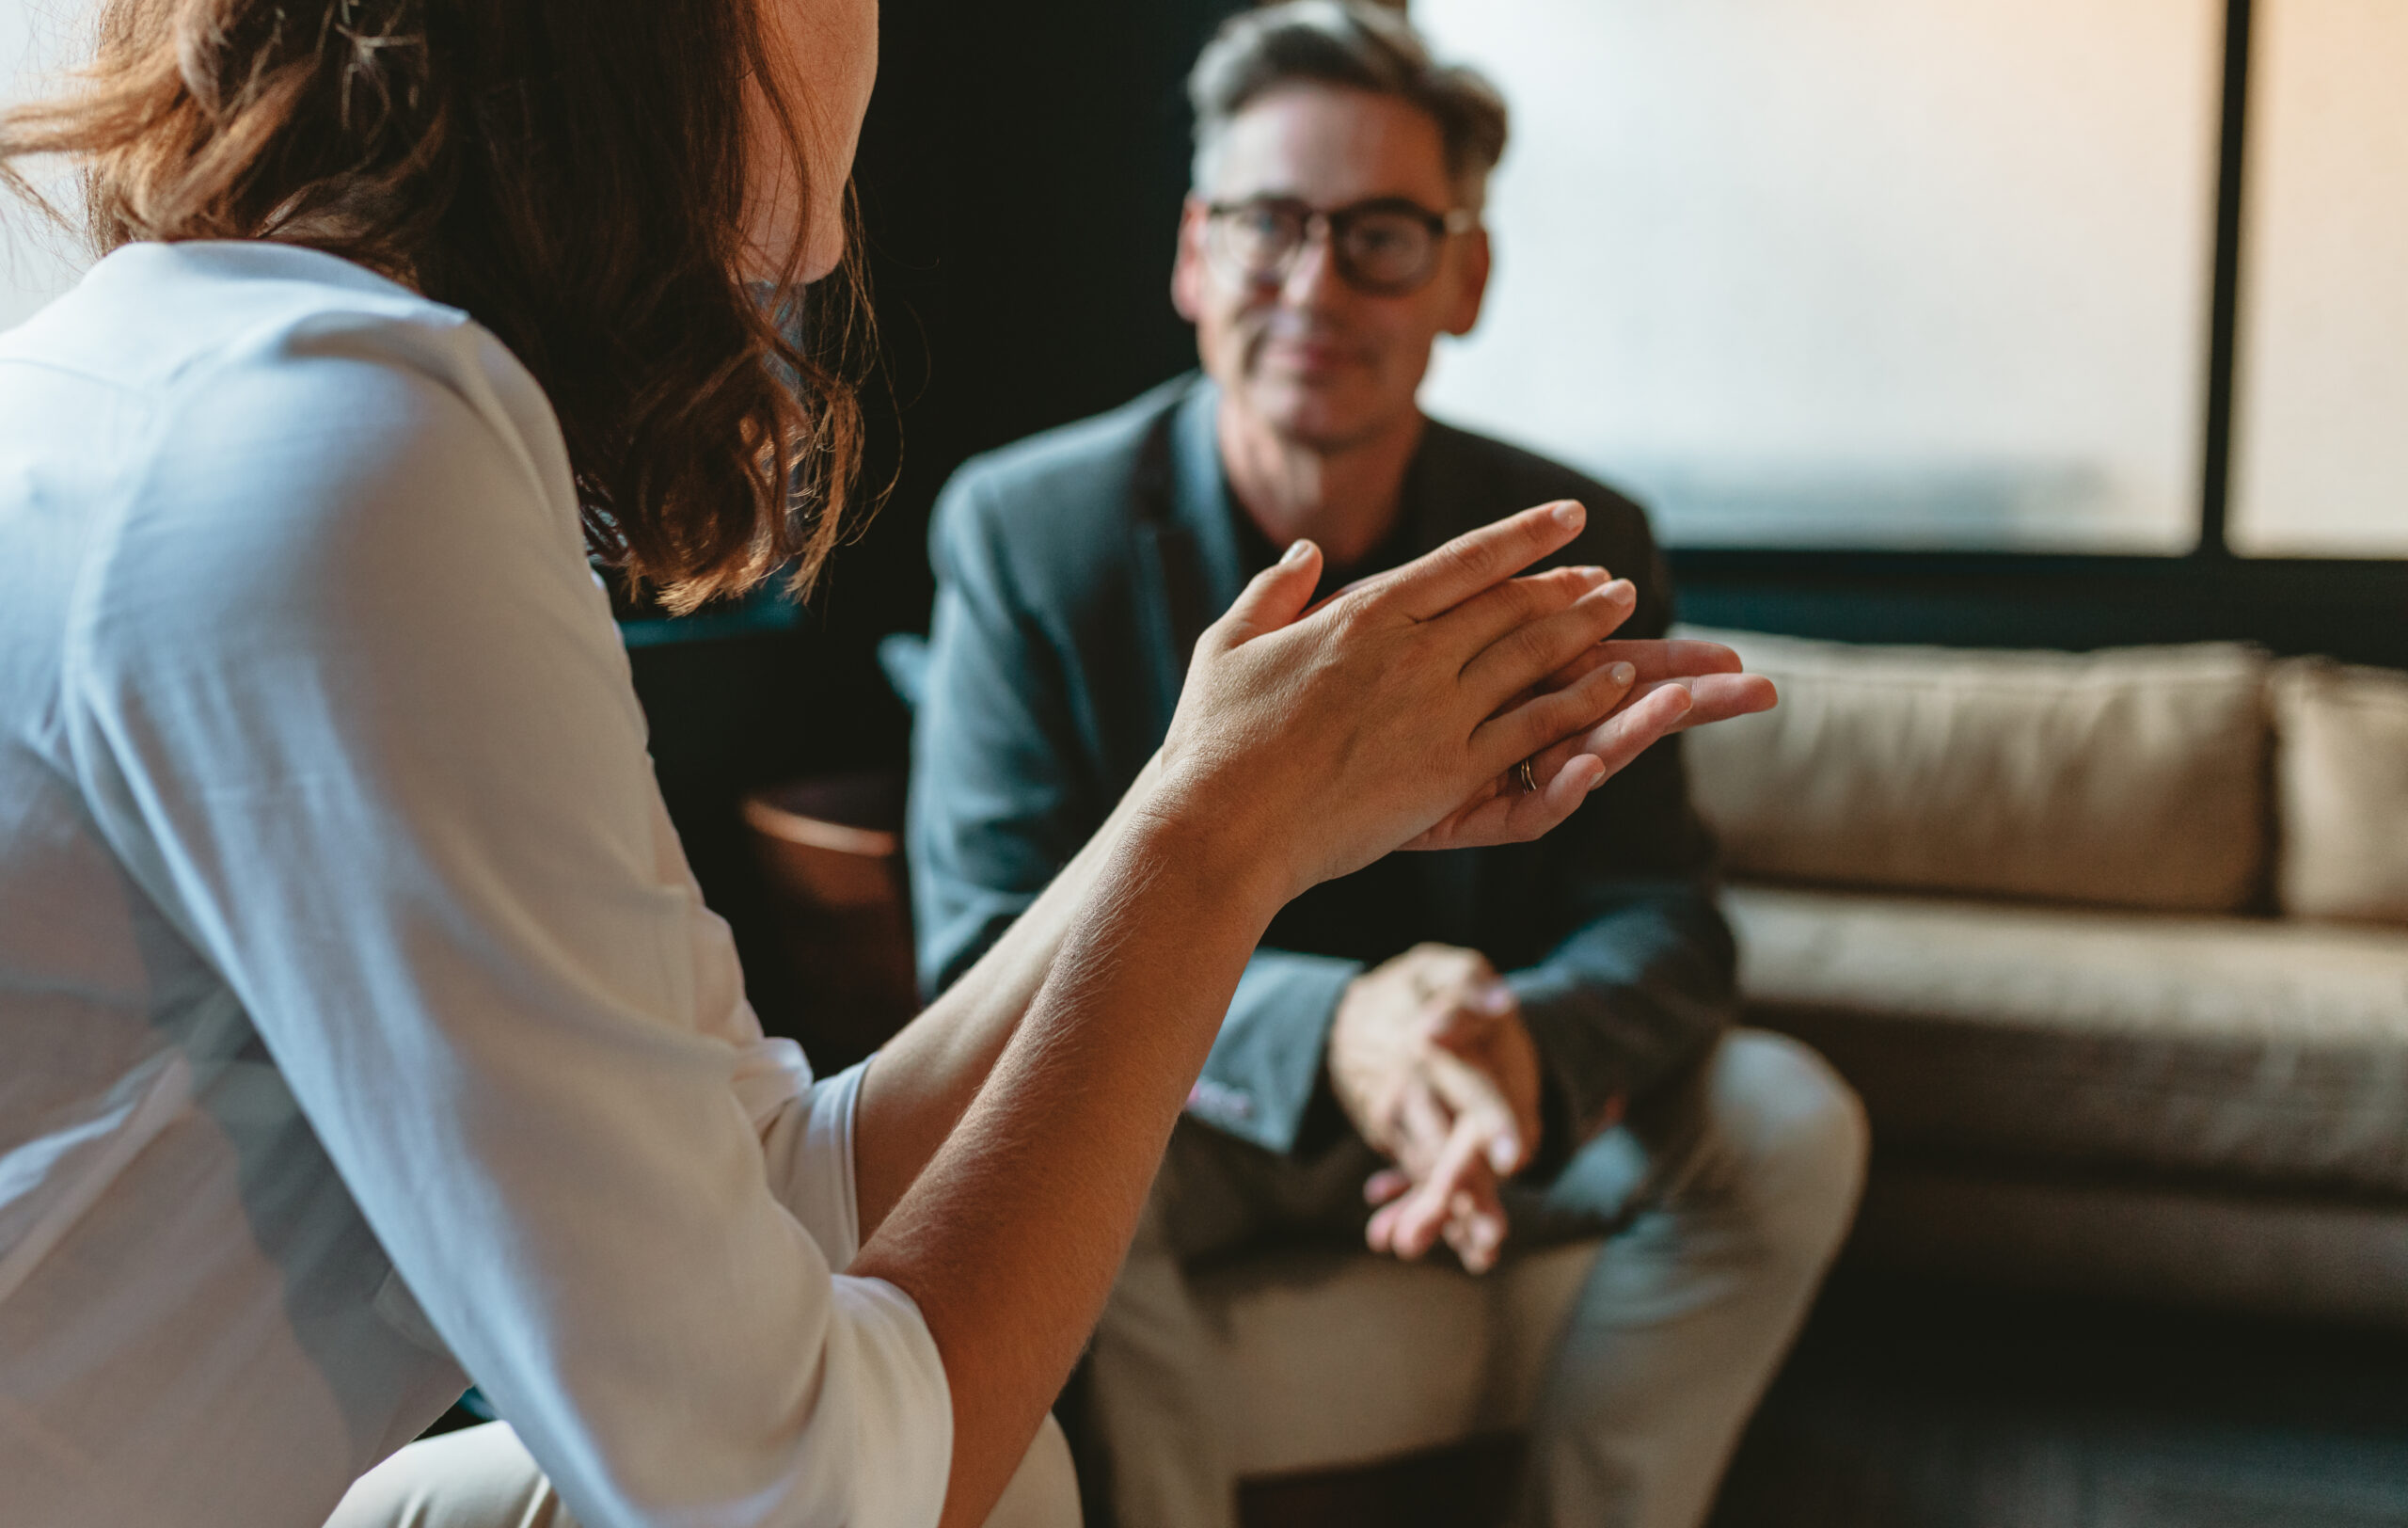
(2224, 302)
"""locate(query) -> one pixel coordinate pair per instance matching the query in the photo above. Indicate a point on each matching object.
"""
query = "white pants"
(1722, 1202)
(483, 1477)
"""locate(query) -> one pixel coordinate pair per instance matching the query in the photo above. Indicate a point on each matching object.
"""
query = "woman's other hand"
(1670, 686)
(1399, 711)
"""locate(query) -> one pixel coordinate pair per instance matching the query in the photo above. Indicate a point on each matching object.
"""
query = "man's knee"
(1793, 1132)
(483, 1477)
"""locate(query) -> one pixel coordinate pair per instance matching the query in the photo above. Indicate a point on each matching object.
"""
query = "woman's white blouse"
(360, 1025)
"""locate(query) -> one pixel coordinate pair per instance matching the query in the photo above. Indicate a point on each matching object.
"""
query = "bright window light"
(1872, 273)
(2320, 406)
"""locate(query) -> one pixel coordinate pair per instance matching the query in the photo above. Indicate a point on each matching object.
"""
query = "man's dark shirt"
(1075, 571)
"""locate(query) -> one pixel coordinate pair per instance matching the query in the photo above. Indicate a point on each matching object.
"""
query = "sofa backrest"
(2135, 778)
(2341, 785)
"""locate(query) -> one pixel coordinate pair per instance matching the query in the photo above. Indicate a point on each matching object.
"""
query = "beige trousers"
(482, 1477)
(1723, 1201)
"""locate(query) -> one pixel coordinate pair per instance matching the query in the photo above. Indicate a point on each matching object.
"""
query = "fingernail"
(1296, 551)
(1503, 1151)
(1498, 998)
(1571, 515)
(1622, 674)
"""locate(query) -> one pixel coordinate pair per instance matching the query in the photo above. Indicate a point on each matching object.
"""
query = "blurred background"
(1992, 323)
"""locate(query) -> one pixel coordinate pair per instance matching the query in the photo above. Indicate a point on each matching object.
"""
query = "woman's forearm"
(922, 1081)
(1011, 1238)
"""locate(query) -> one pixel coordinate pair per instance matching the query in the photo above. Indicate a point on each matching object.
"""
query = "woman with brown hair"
(360, 1026)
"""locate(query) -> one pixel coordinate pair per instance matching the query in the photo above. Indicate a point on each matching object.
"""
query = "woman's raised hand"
(1401, 710)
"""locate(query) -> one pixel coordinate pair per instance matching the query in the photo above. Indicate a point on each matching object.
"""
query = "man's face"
(1315, 358)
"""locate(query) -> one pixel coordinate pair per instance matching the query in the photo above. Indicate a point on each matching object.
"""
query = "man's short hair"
(1354, 45)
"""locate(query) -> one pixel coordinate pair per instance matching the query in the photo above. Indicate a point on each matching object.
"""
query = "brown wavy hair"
(570, 172)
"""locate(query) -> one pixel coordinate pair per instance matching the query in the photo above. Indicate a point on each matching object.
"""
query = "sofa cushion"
(1329, 1357)
(2231, 1047)
(2341, 772)
(2131, 777)
(2329, 1257)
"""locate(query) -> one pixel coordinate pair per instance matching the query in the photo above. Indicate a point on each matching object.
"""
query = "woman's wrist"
(1189, 846)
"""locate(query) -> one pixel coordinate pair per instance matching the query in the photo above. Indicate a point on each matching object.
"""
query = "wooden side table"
(831, 849)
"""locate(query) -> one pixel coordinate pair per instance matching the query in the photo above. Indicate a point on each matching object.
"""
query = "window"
(36, 262)
(2320, 406)
(1865, 273)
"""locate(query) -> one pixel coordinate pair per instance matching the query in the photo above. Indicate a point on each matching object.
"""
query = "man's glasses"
(1387, 246)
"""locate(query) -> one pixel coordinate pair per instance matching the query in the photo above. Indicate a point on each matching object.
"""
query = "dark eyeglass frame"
(1336, 224)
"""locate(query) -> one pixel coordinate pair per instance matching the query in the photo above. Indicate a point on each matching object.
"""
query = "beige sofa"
(2115, 946)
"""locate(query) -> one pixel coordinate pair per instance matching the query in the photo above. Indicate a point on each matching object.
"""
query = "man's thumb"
(1274, 597)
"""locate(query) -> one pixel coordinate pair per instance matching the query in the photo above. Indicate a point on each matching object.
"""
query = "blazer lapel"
(1187, 549)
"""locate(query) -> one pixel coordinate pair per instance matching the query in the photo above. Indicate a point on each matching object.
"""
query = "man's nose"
(1312, 278)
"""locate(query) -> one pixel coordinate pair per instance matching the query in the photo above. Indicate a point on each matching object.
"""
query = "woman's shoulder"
(148, 314)
(310, 448)
(309, 344)
(268, 373)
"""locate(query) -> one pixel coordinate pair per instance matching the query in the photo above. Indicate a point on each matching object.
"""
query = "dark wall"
(1019, 177)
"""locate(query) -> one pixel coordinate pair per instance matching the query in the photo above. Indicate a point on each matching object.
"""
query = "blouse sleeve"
(346, 701)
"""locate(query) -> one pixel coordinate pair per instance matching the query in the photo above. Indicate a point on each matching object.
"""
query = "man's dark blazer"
(1074, 573)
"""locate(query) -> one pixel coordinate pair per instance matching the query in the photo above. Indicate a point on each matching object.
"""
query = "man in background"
(1483, 1049)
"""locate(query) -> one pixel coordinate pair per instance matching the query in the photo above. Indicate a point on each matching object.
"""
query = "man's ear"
(1471, 282)
(1187, 265)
